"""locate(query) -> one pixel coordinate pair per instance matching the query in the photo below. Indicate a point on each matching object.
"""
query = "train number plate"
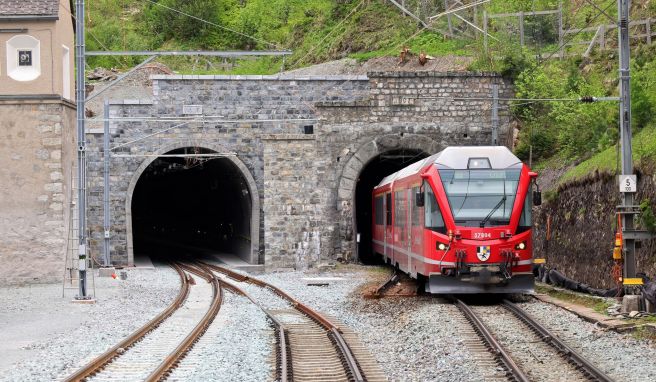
(482, 235)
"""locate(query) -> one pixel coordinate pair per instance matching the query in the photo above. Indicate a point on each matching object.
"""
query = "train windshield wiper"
(503, 199)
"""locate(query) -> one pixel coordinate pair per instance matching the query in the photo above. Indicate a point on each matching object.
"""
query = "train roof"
(457, 158)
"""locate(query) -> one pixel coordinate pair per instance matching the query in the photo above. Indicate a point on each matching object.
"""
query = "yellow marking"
(539, 261)
(633, 281)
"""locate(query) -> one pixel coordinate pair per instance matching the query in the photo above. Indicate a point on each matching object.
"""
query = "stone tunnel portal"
(192, 207)
(372, 173)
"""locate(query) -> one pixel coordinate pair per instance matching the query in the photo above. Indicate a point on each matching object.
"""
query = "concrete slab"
(234, 262)
(106, 271)
(587, 314)
(143, 261)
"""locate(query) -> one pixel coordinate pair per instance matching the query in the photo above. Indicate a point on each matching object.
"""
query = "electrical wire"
(213, 23)
(328, 34)
(577, 33)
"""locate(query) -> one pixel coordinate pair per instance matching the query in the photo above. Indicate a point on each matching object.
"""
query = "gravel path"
(46, 337)
(238, 346)
(621, 356)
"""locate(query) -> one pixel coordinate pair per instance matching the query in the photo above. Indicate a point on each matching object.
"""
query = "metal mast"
(81, 147)
(625, 132)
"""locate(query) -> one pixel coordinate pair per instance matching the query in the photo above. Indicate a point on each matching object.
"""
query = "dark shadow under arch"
(372, 173)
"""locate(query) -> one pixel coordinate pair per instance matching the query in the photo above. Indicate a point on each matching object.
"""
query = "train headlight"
(521, 245)
(441, 246)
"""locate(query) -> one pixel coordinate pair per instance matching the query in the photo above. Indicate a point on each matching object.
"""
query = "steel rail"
(174, 358)
(496, 349)
(101, 361)
(394, 277)
(351, 366)
(284, 365)
(578, 361)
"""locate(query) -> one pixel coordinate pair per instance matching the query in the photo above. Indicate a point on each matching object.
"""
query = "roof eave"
(29, 17)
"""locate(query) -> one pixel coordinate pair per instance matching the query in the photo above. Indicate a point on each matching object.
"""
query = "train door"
(389, 229)
(408, 236)
(401, 229)
(416, 246)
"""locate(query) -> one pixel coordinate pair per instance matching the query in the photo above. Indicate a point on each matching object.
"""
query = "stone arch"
(354, 166)
(252, 189)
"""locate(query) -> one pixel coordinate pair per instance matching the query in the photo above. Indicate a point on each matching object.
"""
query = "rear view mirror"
(537, 198)
(419, 199)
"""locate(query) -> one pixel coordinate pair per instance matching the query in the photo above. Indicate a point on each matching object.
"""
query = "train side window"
(388, 208)
(415, 211)
(432, 215)
(378, 210)
(525, 218)
(399, 209)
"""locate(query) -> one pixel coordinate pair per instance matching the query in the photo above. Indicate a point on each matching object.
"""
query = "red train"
(461, 219)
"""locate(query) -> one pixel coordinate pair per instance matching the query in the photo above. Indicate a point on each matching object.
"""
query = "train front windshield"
(480, 197)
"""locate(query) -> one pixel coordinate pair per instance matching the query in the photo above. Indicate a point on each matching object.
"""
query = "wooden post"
(560, 30)
(602, 36)
(648, 30)
(485, 30)
(448, 17)
(521, 29)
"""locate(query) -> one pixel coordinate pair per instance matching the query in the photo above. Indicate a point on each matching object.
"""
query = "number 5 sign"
(628, 183)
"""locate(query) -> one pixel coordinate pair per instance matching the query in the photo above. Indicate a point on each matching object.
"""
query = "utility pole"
(495, 114)
(625, 131)
(106, 222)
(81, 149)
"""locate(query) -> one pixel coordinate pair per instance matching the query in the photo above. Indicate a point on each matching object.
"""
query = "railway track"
(311, 346)
(167, 337)
(524, 350)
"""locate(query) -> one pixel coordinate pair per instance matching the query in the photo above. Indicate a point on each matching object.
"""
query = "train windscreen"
(481, 197)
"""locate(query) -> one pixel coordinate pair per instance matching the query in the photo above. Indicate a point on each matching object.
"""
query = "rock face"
(583, 224)
(300, 143)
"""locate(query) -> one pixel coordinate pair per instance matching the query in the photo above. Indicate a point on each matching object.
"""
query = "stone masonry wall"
(263, 105)
(35, 157)
(305, 182)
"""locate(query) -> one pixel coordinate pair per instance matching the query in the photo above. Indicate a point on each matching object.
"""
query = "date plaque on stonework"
(192, 109)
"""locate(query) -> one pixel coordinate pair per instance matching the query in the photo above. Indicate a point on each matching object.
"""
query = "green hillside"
(322, 30)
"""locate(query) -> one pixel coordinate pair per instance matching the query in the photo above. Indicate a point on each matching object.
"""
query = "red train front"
(460, 219)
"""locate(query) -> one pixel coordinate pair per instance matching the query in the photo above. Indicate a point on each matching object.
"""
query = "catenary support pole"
(495, 114)
(625, 132)
(106, 225)
(81, 149)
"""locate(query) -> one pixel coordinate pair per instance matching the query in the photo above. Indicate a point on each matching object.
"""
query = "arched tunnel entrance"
(188, 206)
(372, 173)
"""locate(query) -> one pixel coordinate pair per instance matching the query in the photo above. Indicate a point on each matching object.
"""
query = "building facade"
(37, 125)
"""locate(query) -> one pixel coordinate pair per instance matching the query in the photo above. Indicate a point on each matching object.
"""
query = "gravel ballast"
(46, 337)
(238, 346)
(411, 338)
(622, 356)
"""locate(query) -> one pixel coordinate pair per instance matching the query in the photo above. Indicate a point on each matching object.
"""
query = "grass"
(597, 304)
(644, 147)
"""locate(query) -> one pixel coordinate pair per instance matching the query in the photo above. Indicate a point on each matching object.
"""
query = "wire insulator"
(587, 99)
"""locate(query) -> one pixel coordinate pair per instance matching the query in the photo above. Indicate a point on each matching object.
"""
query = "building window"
(66, 74)
(23, 58)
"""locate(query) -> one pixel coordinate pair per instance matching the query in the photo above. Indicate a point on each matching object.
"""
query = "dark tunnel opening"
(192, 206)
(372, 173)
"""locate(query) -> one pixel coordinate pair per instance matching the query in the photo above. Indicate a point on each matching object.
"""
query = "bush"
(165, 23)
